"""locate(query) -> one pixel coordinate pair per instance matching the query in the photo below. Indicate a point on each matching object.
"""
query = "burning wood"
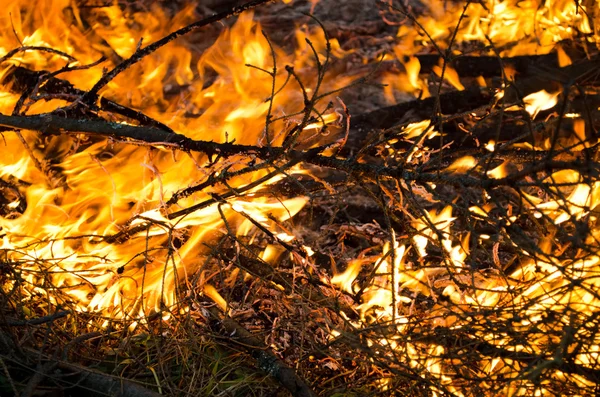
(166, 199)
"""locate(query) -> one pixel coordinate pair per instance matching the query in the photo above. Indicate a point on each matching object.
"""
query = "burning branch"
(445, 245)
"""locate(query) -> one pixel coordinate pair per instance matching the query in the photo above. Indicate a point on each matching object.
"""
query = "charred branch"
(492, 66)
(476, 65)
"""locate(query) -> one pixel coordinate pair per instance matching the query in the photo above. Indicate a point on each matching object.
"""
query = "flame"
(462, 165)
(327, 119)
(535, 25)
(97, 228)
(538, 101)
(408, 82)
(550, 286)
(104, 188)
(513, 27)
(449, 74)
(541, 282)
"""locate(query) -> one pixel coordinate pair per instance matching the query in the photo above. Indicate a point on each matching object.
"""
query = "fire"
(538, 101)
(513, 27)
(115, 228)
(543, 284)
(96, 224)
(526, 27)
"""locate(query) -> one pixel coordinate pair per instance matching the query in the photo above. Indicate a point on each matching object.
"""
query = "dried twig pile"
(444, 245)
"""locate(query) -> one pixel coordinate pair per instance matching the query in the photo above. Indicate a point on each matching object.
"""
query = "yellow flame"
(108, 187)
(462, 164)
(450, 75)
(538, 101)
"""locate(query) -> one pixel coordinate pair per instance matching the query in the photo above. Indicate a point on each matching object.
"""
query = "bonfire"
(299, 198)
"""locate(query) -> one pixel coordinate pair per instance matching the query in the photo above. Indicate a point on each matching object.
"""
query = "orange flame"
(103, 188)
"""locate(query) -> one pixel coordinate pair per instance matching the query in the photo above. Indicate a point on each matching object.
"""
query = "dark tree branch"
(53, 124)
(24, 80)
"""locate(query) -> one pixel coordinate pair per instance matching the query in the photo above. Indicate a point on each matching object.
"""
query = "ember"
(182, 186)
